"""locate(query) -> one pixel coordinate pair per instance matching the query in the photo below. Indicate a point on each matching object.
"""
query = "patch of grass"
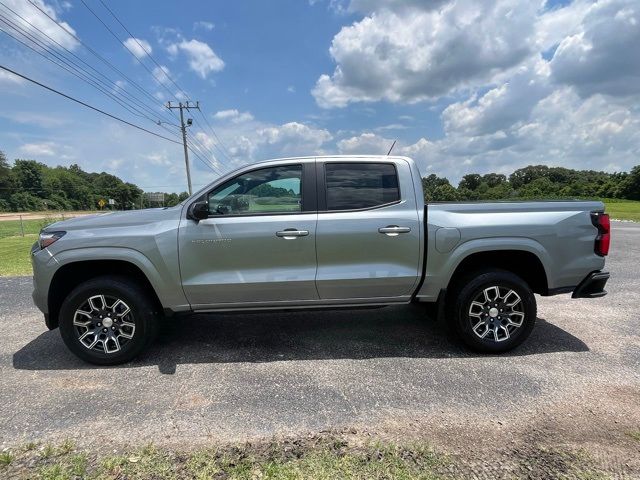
(324, 458)
(11, 228)
(15, 255)
(29, 446)
(634, 434)
(71, 466)
(6, 458)
(15, 248)
(622, 209)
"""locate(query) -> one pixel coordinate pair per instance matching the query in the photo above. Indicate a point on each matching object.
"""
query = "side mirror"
(199, 211)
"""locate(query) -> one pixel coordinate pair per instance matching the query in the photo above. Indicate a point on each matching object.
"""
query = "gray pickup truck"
(318, 232)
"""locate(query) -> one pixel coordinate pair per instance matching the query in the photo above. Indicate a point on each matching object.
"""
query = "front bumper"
(592, 286)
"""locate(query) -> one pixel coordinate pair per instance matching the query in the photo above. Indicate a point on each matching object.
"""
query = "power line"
(198, 146)
(142, 47)
(203, 160)
(160, 82)
(224, 151)
(97, 55)
(79, 73)
(131, 100)
(86, 104)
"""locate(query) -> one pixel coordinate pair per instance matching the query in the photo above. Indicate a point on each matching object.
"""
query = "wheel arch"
(73, 273)
(521, 262)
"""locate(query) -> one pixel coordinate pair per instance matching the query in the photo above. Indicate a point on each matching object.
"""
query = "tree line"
(535, 182)
(28, 185)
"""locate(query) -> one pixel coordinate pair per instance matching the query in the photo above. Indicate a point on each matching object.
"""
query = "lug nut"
(104, 329)
(99, 324)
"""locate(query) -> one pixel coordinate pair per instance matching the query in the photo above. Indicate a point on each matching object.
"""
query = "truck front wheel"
(107, 320)
(492, 310)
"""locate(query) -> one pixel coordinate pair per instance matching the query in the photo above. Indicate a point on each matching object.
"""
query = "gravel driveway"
(390, 371)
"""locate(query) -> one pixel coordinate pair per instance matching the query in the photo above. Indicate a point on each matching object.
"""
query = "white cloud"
(291, 139)
(233, 115)
(502, 106)
(414, 54)
(39, 20)
(46, 149)
(552, 26)
(162, 74)
(201, 57)
(38, 149)
(366, 144)
(10, 78)
(202, 25)
(138, 47)
(603, 56)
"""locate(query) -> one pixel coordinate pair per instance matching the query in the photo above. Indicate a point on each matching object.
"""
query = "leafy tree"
(630, 186)
(7, 182)
(445, 193)
(526, 175)
(470, 181)
(430, 183)
(25, 202)
(29, 176)
(494, 179)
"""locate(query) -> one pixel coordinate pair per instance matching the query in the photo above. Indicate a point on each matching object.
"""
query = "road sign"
(112, 201)
(101, 203)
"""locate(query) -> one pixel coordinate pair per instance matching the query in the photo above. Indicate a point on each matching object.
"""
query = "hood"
(116, 219)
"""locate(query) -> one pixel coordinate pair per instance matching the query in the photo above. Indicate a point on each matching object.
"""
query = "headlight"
(47, 238)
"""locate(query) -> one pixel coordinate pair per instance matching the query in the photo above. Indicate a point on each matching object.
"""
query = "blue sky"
(463, 86)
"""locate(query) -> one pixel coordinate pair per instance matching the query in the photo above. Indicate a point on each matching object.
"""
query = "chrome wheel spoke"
(126, 335)
(97, 303)
(123, 306)
(491, 294)
(111, 344)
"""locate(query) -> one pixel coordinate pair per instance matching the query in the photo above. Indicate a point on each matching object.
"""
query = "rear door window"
(353, 186)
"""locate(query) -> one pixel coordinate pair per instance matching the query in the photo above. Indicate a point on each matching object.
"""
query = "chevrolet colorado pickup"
(319, 232)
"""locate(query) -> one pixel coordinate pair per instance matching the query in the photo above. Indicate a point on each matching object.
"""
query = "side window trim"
(308, 194)
(322, 192)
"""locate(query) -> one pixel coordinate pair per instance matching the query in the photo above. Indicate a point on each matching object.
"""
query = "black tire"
(142, 316)
(472, 287)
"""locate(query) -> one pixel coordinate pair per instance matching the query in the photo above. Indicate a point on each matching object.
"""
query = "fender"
(166, 285)
(440, 267)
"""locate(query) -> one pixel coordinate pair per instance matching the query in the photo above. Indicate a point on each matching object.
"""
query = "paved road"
(237, 377)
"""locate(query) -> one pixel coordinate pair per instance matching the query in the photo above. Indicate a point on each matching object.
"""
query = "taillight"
(603, 239)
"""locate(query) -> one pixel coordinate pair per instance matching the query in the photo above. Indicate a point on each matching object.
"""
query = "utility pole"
(185, 106)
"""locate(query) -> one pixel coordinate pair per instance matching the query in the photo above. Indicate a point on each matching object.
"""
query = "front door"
(258, 244)
(368, 238)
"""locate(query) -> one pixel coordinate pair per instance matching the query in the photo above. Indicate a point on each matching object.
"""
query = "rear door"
(368, 234)
(258, 245)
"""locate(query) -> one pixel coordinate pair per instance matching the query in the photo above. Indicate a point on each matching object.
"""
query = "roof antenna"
(392, 145)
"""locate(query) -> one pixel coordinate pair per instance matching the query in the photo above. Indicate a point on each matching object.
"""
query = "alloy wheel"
(104, 324)
(496, 313)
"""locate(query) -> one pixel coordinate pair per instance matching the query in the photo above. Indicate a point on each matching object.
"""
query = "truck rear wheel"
(107, 320)
(492, 310)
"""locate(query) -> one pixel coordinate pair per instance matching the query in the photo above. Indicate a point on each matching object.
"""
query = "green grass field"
(623, 209)
(14, 255)
(14, 248)
(11, 228)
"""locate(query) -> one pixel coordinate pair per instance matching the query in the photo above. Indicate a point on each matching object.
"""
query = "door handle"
(292, 233)
(393, 230)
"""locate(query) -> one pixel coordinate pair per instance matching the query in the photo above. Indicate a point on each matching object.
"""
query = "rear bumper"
(592, 286)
